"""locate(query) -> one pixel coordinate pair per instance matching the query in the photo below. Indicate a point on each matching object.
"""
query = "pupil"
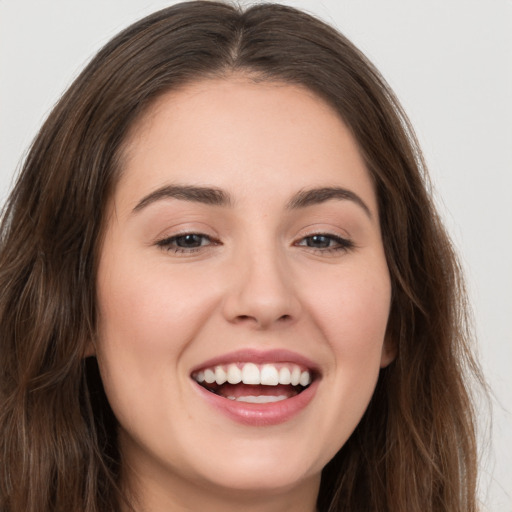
(318, 241)
(189, 241)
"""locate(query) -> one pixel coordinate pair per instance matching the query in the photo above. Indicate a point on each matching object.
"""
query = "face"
(243, 289)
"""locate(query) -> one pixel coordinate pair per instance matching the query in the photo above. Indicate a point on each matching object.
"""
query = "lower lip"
(260, 415)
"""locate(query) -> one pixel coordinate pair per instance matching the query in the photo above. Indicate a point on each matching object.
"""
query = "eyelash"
(169, 244)
(340, 244)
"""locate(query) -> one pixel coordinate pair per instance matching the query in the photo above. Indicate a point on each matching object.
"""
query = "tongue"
(239, 390)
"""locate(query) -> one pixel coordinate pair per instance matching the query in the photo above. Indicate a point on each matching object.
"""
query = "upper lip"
(259, 357)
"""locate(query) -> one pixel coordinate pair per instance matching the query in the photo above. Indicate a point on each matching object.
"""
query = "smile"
(258, 388)
(252, 383)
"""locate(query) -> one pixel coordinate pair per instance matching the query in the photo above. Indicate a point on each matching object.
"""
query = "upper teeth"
(250, 373)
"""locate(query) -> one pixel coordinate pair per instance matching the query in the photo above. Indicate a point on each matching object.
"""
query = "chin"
(259, 479)
(262, 468)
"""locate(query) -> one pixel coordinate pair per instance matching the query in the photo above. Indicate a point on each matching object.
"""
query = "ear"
(90, 349)
(389, 351)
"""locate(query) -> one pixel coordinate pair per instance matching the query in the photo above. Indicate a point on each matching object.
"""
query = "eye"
(186, 242)
(325, 242)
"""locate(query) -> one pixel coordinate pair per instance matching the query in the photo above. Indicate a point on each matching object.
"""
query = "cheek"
(352, 309)
(352, 317)
(147, 317)
(145, 307)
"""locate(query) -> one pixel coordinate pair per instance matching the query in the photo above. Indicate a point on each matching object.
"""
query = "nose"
(262, 294)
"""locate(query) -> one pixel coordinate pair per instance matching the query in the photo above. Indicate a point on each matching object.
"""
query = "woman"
(224, 284)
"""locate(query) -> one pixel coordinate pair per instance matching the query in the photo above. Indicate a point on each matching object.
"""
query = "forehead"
(241, 135)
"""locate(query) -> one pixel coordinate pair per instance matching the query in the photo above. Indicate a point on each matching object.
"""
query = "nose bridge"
(262, 291)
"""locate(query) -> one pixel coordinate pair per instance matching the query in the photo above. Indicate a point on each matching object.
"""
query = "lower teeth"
(262, 399)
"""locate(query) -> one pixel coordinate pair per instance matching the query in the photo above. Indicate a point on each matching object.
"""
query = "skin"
(253, 283)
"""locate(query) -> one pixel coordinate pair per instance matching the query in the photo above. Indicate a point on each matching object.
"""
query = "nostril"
(262, 321)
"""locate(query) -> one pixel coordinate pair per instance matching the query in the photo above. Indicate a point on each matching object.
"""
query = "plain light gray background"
(450, 63)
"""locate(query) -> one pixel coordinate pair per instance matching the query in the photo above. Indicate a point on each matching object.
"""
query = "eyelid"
(189, 227)
(341, 242)
(166, 242)
(344, 242)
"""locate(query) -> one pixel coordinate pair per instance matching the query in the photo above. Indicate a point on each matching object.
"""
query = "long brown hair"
(413, 451)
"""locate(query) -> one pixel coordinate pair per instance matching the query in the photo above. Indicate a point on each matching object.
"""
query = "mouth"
(249, 382)
(258, 388)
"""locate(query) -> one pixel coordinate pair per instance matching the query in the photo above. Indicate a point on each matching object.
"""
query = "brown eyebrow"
(205, 195)
(314, 196)
(217, 197)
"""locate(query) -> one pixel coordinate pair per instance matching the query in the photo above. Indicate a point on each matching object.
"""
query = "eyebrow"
(218, 197)
(305, 198)
(205, 195)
